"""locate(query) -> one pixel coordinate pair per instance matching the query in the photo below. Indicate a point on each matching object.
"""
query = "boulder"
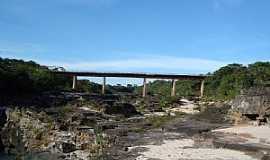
(255, 101)
(68, 147)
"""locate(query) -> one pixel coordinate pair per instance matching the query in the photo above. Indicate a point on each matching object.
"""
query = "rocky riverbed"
(108, 128)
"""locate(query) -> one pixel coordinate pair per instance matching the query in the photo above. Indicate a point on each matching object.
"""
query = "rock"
(64, 126)
(68, 147)
(255, 101)
(3, 121)
(124, 109)
(3, 117)
(80, 155)
(86, 129)
(135, 119)
(266, 157)
(156, 114)
(108, 125)
(88, 121)
(28, 131)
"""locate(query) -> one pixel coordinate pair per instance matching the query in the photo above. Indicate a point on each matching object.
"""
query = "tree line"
(223, 84)
(19, 77)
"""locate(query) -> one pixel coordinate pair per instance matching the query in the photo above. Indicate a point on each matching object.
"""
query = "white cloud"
(149, 63)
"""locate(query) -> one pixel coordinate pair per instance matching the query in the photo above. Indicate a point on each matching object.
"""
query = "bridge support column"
(173, 87)
(74, 83)
(202, 88)
(103, 85)
(144, 87)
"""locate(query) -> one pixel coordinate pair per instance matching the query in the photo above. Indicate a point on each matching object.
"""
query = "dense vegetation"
(223, 84)
(18, 77)
(228, 81)
(185, 88)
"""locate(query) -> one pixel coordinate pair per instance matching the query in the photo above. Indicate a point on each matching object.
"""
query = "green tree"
(260, 72)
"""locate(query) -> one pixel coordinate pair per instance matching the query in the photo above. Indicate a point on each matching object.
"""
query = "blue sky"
(164, 36)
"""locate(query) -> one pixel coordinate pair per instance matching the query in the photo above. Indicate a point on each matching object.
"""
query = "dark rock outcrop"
(3, 121)
(68, 147)
(3, 117)
(124, 109)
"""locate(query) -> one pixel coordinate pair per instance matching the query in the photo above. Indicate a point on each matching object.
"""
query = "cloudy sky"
(161, 36)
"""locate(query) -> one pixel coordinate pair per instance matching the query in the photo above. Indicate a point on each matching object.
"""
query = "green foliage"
(187, 88)
(184, 88)
(120, 89)
(91, 87)
(228, 81)
(260, 72)
(223, 84)
(101, 142)
(18, 77)
(166, 101)
(159, 87)
(88, 87)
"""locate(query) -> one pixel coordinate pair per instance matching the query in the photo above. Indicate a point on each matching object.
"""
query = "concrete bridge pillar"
(173, 87)
(144, 87)
(103, 85)
(74, 83)
(202, 88)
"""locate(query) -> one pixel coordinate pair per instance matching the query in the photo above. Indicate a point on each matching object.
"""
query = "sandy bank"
(252, 134)
(184, 149)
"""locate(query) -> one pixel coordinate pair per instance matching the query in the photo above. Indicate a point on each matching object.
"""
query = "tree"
(260, 72)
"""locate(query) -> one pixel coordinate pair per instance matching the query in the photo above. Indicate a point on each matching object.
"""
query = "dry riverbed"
(178, 133)
(188, 139)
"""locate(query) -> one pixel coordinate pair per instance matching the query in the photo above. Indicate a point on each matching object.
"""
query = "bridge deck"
(131, 75)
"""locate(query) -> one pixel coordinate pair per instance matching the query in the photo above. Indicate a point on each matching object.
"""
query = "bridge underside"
(145, 76)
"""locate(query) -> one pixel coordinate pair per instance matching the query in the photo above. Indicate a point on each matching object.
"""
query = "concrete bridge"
(145, 76)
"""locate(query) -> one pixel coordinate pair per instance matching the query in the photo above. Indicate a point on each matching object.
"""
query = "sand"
(253, 134)
(183, 149)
